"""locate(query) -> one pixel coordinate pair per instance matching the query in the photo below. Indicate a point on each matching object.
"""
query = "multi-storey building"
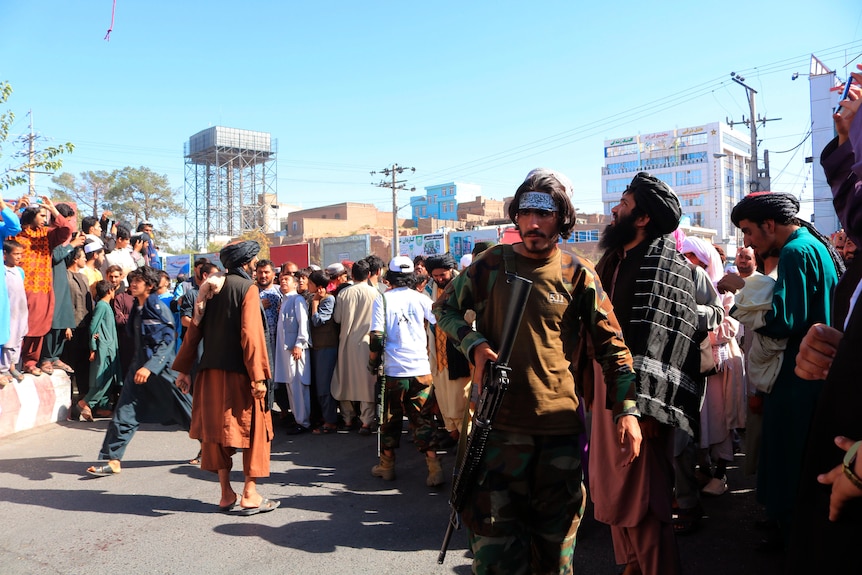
(440, 201)
(707, 166)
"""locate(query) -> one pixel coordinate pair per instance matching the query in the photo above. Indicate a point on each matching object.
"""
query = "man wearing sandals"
(149, 394)
(230, 410)
(39, 240)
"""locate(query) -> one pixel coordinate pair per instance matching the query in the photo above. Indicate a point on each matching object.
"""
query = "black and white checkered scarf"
(662, 340)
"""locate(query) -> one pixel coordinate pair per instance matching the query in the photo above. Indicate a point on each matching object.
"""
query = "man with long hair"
(524, 513)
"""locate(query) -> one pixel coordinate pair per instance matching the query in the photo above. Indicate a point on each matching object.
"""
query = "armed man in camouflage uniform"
(523, 515)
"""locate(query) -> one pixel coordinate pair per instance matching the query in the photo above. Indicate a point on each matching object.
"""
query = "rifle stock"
(494, 385)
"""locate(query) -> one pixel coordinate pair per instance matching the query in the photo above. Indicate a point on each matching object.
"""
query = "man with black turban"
(655, 295)
(449, 368)
(802, 296)
(229, 409)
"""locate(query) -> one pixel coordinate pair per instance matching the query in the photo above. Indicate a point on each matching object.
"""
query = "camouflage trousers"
(410, 396)
(523, 515)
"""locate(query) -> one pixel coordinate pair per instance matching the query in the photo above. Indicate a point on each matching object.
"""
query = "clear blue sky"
(478, 92)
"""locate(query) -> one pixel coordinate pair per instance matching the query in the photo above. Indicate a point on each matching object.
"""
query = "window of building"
(617, 185)
(620, 167)
(613, 151)
(697, 219)
(337, 216)
(689, 177)
(693, 157)
(693, 139)
(581, 236)
(667, 178)
(295, 226)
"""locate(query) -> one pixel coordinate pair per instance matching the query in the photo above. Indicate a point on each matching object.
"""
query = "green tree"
(139, 194)
(44, 160)
(89, 193)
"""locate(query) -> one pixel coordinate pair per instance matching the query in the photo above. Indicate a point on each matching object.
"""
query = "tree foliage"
(140, 194)
(90, 193)
(43, 160)
(132, 195)
(260, 237)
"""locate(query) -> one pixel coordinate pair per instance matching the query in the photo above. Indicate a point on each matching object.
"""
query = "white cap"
(335, 270)
(93, 246)
(466, 260)
(401, 264)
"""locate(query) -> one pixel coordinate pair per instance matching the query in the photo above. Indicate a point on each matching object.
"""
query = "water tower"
(230, 185)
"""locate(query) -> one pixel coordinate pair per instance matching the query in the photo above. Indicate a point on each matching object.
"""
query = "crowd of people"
(680, 359)
(44, 301)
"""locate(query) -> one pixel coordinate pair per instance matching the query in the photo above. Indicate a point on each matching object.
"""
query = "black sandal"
(686, 521)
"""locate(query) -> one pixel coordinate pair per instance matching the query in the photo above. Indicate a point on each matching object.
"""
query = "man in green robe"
(807, 274)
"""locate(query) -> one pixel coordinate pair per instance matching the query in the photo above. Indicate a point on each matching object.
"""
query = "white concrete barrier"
(34, 401)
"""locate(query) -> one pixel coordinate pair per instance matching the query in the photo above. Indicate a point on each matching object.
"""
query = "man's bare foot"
(228, 498)
(251, 500)
(228, 501)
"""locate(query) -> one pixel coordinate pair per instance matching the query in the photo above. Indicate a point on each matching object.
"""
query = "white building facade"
(823, 102)
(707, 166)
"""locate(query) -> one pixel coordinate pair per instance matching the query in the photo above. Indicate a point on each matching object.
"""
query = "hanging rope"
(113, 9)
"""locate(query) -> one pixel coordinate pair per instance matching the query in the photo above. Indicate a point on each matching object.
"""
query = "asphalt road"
(159, 515)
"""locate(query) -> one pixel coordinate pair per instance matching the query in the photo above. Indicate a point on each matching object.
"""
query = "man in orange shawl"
(39, 240)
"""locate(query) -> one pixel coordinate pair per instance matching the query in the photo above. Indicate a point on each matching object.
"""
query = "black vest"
(222, 327)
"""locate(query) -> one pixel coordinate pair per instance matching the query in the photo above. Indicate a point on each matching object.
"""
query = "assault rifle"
(495, 382)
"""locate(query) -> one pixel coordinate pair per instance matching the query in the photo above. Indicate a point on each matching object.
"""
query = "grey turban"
(238, 254)
(658, 201)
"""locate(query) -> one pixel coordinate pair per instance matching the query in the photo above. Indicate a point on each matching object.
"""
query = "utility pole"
(759, 181)
(395, 184)
(31, 158)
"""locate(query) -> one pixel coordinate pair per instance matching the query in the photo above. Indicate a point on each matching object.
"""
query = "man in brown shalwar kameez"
(653, 291)
(229, 408)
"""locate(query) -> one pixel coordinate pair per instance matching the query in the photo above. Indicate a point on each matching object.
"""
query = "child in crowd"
(766, 354)
(11, 351)
(104, 352)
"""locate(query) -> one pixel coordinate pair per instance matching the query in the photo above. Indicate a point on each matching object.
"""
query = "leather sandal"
(86, 413)
(33, 370)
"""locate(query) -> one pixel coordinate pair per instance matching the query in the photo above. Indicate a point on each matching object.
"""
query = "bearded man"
(450, 370)
(520, 520)
(653, 290)
(229, 407)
